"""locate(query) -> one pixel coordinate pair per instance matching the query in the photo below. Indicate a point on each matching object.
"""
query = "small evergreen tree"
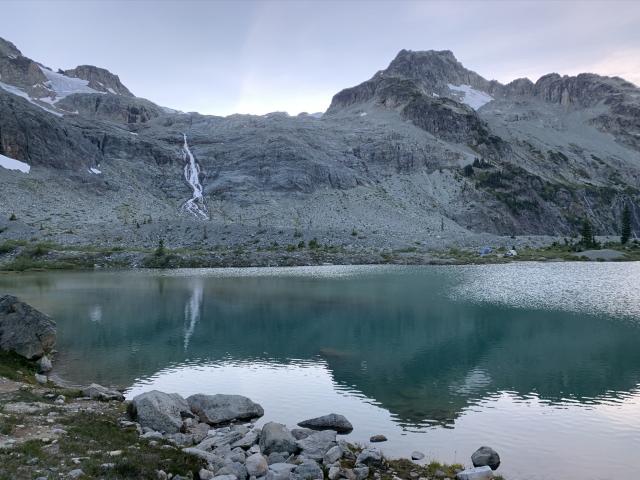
(588, 239)
(625, 233)
(467, 170)
(160, 251)
(13, 217)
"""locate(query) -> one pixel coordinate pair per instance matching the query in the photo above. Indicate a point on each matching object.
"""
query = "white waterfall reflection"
(192, 309)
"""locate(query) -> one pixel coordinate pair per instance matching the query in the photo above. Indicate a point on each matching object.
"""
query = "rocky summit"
(425, 152)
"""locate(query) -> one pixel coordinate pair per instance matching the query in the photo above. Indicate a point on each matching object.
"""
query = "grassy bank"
(20, 256)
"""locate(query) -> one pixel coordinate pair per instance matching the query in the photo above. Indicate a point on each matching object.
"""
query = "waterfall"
(195, 205)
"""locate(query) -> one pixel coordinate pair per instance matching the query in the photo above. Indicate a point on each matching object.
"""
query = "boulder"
(333, 421)
(486, 456)
(44, 364)
(24, 330)
(476, 473)
(307, 470)
(334, 473)
(369, 457)
(300, 433)
(98, 392)
(361, 472)
(205, 474)
(378, 438)
(234, 468)
(280, 471)
(276, 438)
(249, 440)
(158, 410)
(332, 455)
(217, 409)
(256, 465)
(317, 444)
(278, 457)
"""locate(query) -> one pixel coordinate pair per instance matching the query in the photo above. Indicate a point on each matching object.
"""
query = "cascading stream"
(195, 205)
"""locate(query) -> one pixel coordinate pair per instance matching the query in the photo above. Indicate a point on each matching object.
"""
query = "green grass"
(94, 436)
(15, 367)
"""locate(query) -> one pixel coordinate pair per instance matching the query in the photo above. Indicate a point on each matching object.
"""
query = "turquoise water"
(539, 361)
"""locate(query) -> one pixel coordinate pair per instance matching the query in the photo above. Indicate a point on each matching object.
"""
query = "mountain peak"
(99, 79)
(8, 49)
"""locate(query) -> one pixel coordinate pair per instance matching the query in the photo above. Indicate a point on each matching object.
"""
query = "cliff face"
(423, 149)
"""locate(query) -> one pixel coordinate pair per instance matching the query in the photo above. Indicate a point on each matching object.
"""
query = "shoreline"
(50, 429)
(38, 256)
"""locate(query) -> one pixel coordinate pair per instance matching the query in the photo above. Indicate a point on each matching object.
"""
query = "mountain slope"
(425, 151)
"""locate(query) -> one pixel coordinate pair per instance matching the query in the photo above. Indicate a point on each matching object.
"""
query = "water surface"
(539, 361)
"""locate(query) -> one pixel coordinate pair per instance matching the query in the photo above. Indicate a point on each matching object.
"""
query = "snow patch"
(12, 164)
(95, 170)
(363, 114)
(64, 86)
(470, 96)
(21, 93)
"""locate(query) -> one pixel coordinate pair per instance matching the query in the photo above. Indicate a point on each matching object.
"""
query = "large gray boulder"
(276, 437)
(486, 456)
(159, 411)
(333, 421)
(98, 392)
(317, 444)
(25, 330)
(217, 409)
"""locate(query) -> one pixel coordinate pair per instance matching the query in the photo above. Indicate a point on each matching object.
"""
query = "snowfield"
(21, 93)
(64, 86)
(12, 164)
(470, 96)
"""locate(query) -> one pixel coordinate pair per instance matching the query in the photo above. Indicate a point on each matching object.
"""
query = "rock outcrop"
(99, 79)
(25, 330)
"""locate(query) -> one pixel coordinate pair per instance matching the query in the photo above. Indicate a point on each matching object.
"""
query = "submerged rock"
(333, 421)
(486, 456)
(25, 330)
(217, 409)
(378, 438)
(159, 411)
(276, 438)
(417, 455)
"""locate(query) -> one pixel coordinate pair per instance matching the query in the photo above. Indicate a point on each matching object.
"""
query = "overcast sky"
(219, 57)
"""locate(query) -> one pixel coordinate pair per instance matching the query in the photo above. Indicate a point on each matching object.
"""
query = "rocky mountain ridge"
(426, 153)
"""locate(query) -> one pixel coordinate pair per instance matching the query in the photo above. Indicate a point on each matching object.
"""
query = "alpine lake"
(540, 361)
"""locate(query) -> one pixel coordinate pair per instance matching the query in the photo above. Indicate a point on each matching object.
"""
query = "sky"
(219, 57)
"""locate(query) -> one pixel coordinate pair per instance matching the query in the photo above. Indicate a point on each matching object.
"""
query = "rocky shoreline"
(49, 431)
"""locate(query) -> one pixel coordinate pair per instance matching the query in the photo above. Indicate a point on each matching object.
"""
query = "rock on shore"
(25, 330)
(333, 421)
(217, 409)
